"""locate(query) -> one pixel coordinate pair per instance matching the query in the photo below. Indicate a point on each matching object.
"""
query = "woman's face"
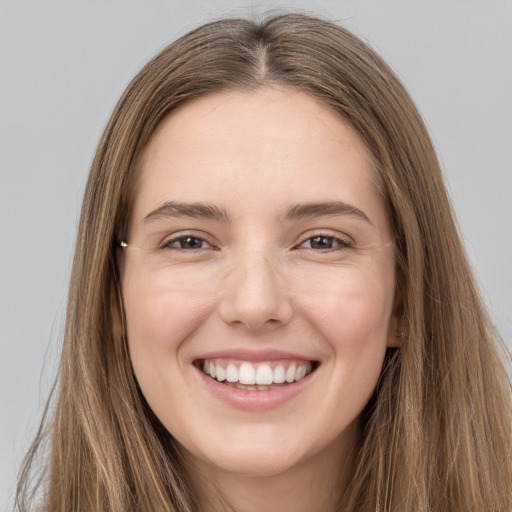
(262, 255)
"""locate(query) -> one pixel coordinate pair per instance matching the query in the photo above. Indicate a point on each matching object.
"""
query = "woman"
(270, 307)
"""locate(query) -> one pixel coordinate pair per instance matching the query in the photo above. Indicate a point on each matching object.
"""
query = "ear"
(116, 306)
(395, 334)
(115, 315)
(396, 323)
(116, 296)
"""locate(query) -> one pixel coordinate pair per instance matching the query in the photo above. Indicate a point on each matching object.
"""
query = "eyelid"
(345, 240)
(168, 240)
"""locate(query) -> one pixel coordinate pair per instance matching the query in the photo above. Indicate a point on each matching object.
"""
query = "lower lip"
(252, 400)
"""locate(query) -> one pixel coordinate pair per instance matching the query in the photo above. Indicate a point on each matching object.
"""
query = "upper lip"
(252, 355)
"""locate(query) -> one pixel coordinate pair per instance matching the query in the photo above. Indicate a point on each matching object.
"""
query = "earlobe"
(116, 310)
(397, 323)
(395, 333)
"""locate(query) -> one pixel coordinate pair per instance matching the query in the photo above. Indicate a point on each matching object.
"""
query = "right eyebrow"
(190, 210)
(308, 210)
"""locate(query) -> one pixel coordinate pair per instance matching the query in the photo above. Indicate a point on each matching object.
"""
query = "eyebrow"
(308, 210)
(190, 210)
(298, 211)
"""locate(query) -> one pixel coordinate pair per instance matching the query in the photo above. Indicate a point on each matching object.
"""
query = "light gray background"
(64, 64)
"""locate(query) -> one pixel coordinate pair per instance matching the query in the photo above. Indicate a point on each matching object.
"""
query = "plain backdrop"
(63, 64)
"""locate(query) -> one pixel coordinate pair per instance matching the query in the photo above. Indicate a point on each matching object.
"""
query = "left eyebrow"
(190, 210)
(307, 210)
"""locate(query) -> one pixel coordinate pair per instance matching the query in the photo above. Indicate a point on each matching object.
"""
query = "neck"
(315, 485)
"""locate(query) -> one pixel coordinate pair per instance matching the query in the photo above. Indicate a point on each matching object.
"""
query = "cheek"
(355, 324)
(351, 312)
(159, 318)
(159, 321)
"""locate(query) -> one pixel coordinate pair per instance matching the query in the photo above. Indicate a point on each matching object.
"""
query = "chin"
(253, 461)
(263, 450)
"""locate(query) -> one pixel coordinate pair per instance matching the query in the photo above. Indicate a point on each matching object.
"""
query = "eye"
(187, 242)
(325, 242)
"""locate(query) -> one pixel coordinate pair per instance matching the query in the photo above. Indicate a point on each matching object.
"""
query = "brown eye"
(187, 243)
(324, 242)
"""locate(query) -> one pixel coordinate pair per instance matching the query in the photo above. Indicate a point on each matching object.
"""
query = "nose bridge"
(255, 291)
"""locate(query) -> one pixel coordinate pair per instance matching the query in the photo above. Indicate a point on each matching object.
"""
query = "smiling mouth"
(261, 376)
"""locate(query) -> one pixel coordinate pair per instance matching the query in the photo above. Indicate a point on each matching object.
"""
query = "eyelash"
(340, 242)
(169, 243)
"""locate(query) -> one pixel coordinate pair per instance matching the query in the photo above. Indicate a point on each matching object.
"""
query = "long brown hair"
(436, 437)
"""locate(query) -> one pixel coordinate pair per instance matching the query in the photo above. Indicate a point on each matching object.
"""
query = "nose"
(255, 294)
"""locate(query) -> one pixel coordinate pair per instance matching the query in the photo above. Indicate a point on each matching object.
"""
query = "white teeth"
(220, 373)
(264, 375)
(279, 375)
(232, 373)
(290, 373)
(256, 376)
(246, 374)
(300, 373)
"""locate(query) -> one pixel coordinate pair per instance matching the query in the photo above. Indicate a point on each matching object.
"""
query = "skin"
(257, 283)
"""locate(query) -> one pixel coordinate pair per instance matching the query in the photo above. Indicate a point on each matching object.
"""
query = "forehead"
(268, 146)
